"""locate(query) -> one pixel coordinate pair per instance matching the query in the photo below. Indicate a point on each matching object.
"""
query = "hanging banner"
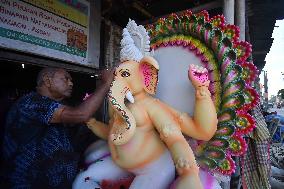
(53, 28)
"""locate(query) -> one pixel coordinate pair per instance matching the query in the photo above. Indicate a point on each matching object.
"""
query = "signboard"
(53, 28)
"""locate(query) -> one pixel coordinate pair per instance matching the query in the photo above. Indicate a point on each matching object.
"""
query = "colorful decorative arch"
(231, 75)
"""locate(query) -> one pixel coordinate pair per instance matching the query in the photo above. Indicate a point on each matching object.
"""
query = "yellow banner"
(62, 9)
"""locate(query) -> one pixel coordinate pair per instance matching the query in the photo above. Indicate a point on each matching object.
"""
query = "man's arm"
(86, 109)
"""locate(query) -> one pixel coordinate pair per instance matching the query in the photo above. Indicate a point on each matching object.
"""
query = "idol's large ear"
(149, 68)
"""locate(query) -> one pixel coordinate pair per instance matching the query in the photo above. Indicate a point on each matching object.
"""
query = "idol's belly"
(143, 148)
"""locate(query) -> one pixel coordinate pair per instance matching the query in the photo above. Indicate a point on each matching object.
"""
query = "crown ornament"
(135, 43)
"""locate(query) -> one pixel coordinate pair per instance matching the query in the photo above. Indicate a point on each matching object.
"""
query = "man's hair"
(45, 72)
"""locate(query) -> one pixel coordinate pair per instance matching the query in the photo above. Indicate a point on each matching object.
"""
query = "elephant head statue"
(131, 80)
(136, 75)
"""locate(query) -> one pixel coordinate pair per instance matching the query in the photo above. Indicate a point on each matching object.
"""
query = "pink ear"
(149, 69)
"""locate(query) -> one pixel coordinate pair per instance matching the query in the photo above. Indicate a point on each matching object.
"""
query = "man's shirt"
(37, 153)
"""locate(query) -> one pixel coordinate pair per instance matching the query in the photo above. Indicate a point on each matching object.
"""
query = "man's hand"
(107, 76)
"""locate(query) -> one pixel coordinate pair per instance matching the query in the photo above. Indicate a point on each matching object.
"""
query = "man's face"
(61, 84)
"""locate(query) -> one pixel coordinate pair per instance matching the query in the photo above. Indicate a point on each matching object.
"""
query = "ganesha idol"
(184, 136)
(145, 135)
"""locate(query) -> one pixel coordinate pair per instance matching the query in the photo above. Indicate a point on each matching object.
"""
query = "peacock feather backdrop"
(231, 74)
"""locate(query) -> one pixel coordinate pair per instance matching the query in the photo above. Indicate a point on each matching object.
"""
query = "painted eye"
(125, 74)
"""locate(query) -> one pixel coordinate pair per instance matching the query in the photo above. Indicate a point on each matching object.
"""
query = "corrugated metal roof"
(262, 15)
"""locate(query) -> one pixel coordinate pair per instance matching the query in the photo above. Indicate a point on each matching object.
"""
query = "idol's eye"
(125, 74)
